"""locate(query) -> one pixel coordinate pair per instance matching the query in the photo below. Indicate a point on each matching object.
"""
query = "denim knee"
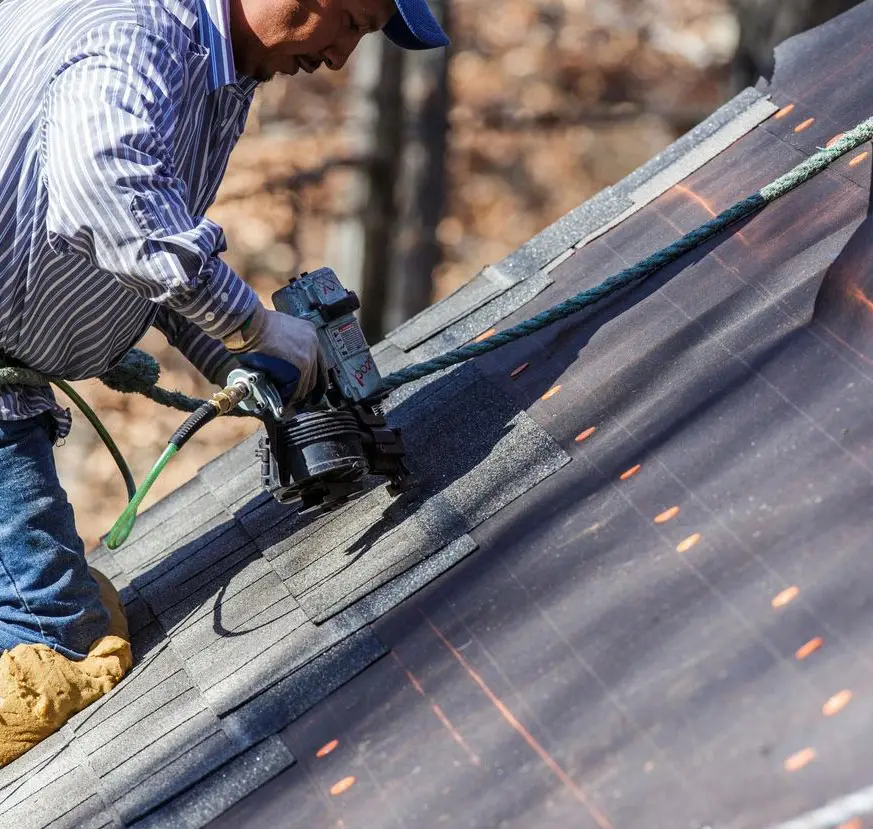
(46, 593)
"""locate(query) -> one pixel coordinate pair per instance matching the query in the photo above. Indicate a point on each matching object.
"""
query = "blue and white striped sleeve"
(113, 194)
(206, 354)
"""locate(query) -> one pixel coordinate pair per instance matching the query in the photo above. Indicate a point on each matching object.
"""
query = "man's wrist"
(246, 337)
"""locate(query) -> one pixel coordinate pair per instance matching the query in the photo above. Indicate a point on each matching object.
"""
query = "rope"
(649, 266)
(138, 372)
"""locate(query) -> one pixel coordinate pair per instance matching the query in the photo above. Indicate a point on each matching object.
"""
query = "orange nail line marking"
(342, 785)
(699, 199)
(705, 205)
(858, 159)
(804, 125)
(629, 473)
(834, 140)
(789, 594)
(485, 335)
(784, 112)
(802, 758)
(856, 293)
(456, 735)
(551, 392)
(836, 703)
(447, 723)
(809, 648)
(516, 371)
(686, 544)
(585, 435)
(854, 823)
(599, 818)
(666, 515)
(326, 749)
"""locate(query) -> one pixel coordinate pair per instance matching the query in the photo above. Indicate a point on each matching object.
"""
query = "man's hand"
(290, 341)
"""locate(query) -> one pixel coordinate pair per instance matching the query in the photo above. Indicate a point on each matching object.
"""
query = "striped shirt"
(117, 120)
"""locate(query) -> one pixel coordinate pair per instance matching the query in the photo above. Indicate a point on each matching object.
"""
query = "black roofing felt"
(657, 535)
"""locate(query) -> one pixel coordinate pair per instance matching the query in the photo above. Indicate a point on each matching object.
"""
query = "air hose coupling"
(229, 398)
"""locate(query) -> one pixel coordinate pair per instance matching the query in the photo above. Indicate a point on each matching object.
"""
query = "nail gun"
(320, 453)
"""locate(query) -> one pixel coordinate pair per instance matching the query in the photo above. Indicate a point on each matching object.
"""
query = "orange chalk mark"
(858, 159)
(784, 112)
(666, 515)
(485, 335)
(599, 818)
(342, 785)
(551, 392)
(629, 473)
(805, 125)
(516, 371)
(837, 703)
(585, 435)
(860, 296)
(800, 759)
(789, 594)
(854, 823)
(834, 140)
(809, 648)
(686, 544)
(440, 714)
(705, 205)
(699, 199)
(326, 749)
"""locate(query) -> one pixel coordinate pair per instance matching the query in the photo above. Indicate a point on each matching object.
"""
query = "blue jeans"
(47, 595)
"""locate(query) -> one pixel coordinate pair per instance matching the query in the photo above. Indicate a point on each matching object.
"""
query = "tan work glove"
(286, 338)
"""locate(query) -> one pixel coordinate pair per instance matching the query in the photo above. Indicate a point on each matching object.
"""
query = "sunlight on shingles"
(799, 760)
(629, 473)
(342, 786)
(784, 112)
(666, 515)
(809, 648)
(789, 594)
(836, 703)
(585, 435)
(516, 371)
(327, 748)
(805, 125)
(686, 544)
(858, 159)
(551, 392)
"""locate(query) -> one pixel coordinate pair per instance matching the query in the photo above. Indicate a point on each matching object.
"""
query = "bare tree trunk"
(764, 24)
(360, 245)
(421, 191)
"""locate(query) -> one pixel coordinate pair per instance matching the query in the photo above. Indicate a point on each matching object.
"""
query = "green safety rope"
(650, 265)
(138, 372)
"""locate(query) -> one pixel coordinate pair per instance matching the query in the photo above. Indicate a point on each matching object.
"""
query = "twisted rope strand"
(647, 267)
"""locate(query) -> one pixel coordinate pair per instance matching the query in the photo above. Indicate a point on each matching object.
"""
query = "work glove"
(284, 348)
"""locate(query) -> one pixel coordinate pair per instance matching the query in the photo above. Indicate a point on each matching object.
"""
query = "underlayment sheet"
(673, 630)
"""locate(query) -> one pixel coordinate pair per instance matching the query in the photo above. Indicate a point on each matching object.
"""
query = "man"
(117, 120)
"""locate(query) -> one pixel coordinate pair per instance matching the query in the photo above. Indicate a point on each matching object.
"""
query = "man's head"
(284, 36)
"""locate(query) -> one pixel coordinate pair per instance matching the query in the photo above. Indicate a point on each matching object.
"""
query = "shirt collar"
(213, 32)
(210, 22)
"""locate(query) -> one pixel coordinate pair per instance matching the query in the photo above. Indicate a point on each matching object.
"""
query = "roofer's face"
(286, 36)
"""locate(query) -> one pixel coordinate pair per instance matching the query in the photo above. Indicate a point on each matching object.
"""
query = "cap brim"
(413, 26)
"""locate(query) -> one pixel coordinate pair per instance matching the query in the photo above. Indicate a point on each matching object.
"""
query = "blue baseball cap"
(413, 26)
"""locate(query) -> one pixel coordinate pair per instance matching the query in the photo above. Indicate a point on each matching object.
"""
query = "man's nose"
(336, 56)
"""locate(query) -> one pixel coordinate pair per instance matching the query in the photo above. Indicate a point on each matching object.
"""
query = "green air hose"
(220, 403)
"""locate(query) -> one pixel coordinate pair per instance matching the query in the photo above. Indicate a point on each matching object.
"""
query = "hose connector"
(229, 398)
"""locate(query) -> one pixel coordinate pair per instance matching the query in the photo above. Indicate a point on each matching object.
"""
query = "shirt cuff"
(220, 305)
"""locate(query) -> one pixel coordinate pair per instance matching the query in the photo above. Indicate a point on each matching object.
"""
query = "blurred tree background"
(408, 173)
